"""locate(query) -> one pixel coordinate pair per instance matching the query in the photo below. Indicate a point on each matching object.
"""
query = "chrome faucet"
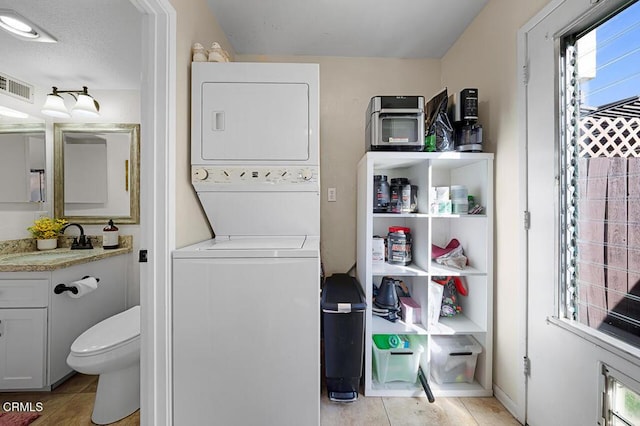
(81, 242)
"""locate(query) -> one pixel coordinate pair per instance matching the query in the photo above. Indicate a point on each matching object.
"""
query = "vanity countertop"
(49, 260)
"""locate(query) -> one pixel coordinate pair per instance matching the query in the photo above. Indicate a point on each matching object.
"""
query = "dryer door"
(255, 121)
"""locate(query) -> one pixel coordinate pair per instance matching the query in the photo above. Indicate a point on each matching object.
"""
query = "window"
(600, 163)
(620, 398)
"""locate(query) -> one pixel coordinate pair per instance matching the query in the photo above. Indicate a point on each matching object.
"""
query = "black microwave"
(395, 123)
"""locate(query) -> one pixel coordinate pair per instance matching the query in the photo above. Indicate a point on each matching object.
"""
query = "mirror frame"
(59, 130)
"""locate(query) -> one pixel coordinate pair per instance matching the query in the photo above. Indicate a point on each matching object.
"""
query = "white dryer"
(246, 304)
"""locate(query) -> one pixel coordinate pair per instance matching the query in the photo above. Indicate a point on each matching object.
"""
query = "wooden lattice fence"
(609, 137)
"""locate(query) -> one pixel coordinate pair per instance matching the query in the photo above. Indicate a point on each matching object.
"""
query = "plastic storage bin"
(343, 306)
(453, 358)
(396, 364)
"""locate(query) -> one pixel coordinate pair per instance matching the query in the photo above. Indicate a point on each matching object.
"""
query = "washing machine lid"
(255, 243)
(109, 333)
(253, 246)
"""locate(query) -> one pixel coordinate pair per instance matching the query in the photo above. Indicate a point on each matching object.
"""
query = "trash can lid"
(342, 294)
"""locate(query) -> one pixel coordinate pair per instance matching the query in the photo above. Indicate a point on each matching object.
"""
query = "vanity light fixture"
(20, 27)
(85, 105)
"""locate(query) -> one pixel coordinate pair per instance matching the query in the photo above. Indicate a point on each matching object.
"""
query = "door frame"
(523, 264)
(157, 206)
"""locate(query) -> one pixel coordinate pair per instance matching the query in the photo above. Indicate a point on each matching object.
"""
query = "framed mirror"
(22, 164)
(97, 172)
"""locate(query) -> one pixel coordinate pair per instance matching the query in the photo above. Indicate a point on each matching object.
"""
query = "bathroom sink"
(50, 260)
(41, 257)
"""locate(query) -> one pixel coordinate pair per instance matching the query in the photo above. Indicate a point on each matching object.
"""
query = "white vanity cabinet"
(23, 331)
(37, 326)
(473, 231)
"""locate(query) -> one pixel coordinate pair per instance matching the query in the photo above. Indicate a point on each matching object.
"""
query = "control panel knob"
(307, 174)
(200, 174)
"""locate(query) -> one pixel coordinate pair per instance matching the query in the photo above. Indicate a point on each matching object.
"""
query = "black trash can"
(343, 308)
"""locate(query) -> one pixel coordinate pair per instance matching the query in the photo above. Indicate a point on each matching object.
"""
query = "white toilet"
(111, 349)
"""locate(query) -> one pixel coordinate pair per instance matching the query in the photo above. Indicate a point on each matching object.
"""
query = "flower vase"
(48, 244)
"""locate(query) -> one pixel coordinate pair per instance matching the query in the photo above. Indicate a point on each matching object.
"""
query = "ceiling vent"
(16, 88)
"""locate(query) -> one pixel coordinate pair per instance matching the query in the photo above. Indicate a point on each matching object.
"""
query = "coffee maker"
(463, 112)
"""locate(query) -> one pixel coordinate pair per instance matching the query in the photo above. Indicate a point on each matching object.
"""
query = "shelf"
(398, 270)
(473, 231)
(396, 215)
(445, 160)
(406, 389)
(442, 270)
(382, 326)
(427, 215)
(458, 324)
(456, 216)
(458, 389)
(396, 388)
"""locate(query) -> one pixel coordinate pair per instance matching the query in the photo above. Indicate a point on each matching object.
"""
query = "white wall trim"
(157, 201)
(508, 403)
(519, 407)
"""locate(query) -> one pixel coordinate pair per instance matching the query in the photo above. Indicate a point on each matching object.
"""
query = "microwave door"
(397, 129)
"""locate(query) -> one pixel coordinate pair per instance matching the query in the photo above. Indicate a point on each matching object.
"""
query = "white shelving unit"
(475, 233)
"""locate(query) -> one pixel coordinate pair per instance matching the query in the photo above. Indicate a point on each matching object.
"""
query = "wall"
(195, 23)
(485, 57)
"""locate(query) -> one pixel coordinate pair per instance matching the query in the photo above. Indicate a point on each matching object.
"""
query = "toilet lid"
(108, 333)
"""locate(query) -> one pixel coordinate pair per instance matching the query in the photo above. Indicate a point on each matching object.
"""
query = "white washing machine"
(246, 333)
(246, 304)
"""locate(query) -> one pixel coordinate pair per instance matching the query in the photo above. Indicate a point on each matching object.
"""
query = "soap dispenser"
(110, 236)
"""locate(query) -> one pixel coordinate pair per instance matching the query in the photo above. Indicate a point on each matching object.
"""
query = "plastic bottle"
(381, 194)
(397, 185)
(399, 245)
(110, 236)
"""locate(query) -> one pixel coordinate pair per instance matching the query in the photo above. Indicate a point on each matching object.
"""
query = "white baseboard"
(508, 403)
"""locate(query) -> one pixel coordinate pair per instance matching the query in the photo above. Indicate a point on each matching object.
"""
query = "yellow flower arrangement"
(46, 228)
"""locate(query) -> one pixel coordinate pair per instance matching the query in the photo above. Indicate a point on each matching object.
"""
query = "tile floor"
(71, 404)
(373, 411)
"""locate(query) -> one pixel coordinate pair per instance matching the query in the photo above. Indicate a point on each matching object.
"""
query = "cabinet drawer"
(24, 293)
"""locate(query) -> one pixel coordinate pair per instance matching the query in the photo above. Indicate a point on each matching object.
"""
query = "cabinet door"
(22, 348)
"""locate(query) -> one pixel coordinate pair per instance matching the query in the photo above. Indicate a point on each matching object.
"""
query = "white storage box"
(397, 364)
(453, 358)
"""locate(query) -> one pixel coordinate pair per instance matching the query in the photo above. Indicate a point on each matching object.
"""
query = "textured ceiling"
(356, 28)
(99, 41)
(99, 44)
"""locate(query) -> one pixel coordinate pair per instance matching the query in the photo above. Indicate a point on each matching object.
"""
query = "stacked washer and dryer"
(246, 308)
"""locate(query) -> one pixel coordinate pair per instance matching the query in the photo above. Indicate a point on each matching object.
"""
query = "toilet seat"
(110, 334)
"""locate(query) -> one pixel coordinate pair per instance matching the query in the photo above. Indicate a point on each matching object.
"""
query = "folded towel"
(84, 286)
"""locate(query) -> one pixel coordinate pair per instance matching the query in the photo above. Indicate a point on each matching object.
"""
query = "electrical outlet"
(331, 194)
